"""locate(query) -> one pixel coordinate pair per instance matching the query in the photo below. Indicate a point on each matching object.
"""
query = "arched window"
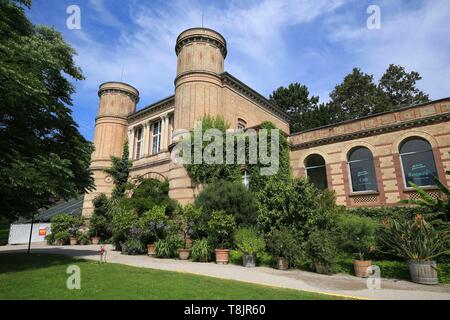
(316, 171)
(362, 170)
(418, 162)
(241, 124)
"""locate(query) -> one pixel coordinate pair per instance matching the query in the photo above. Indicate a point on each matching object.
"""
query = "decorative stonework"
(153, 108)
(201, 38)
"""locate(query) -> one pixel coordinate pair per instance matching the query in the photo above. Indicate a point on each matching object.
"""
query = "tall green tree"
(119, 171)
(43, 156)
(296, 101)
(357, 96)
(400, 88)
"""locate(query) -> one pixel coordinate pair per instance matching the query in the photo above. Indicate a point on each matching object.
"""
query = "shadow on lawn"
(14, 261)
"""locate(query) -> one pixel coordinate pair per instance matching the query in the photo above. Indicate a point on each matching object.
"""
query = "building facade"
(367, 162)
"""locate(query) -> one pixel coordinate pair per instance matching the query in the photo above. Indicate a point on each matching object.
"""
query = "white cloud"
(253, 29)
(418, 39)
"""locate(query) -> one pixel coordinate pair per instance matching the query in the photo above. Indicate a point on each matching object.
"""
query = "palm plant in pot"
(419, 243)
(357, 236)
(321, 250)
(221, 227)
(153, 222)
(250, 243)
(283, 244)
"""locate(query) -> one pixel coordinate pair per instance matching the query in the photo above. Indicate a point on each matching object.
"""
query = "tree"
(400, 87)
(119, 171)
(296, 102)
(357, 96)
(44, 158)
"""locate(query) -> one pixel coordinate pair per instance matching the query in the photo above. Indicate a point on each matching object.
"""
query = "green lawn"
(43, 276)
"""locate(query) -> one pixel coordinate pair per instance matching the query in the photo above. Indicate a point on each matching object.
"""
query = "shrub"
(168, 247)
(153, 222)
(236, 257)
(99, 222)
(201, 250)
(134, 246)
(282, 243)
(264, 259)
(187, 219)
(122, 220)
(232, 197)
(357, 234)
(297, 205)
(64, 226)
(248, 241)
(147, 193)
(321, 249)
(382, 213)
(84, 239)
(221, 228)
(415, 239)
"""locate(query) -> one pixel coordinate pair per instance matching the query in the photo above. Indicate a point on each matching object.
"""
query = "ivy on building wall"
(205, 173)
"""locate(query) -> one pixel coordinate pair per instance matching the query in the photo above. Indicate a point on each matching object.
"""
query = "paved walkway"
(345, 285)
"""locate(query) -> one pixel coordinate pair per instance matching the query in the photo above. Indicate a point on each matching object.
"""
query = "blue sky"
(270, 43)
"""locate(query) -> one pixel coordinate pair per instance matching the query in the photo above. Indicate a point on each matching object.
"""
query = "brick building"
(365, 161)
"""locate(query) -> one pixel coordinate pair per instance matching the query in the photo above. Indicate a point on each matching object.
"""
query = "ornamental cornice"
(373, 131)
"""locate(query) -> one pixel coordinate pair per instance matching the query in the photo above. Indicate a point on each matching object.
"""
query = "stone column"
(130, 143)
(146, 139)
(164, 132)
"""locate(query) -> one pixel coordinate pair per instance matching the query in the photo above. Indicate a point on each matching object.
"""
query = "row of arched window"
(416, 157)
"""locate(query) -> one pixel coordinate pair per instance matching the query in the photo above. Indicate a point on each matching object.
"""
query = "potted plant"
(419, 243)
(153, 222)
(185, 219)
(321, 250)
(220, 230)
(250, 243)
(73, 236)
(283, 244)
(357, 236)
(200, 250)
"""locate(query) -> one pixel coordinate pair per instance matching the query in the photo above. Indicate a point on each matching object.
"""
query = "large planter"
(222, 256)
(151, 249)
(183, 254)
(95, 240)
(249, 260)
(320, 268)
(59, 242)
(73, 241)
(423, 272)
(282, 263)
(361, 267)
(123, 248)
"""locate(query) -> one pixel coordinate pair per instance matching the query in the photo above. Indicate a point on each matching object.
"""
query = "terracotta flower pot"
(184, 253)
(95, 240)
(73, 241)
(151, 249)
(222, 256)
(321, 268)
(59, 243)
(361, 267)
(282, 263)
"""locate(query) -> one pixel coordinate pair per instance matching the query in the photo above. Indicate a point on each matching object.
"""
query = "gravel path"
(339, 284)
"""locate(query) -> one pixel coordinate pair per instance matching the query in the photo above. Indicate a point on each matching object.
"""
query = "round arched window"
(316, 171)
(362, 170)
(418, 162)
